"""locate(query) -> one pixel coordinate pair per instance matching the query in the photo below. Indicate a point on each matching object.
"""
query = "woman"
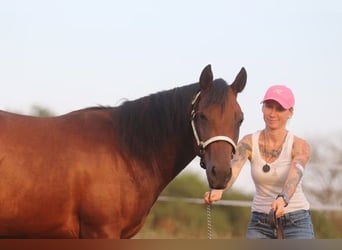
(278, 159)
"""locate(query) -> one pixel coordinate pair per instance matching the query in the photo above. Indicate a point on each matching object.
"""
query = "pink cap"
(281, 94)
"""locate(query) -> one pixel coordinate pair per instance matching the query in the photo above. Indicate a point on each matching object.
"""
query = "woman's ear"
(291, 113)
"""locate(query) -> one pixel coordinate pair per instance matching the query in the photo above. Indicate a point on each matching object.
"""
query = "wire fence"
(237, 203)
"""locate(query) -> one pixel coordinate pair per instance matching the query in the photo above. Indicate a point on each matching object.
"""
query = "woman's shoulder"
(298, 141)
(300, 147)
(247, 140)
(248, 137)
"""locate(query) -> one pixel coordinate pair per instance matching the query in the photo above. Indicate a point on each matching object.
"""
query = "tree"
(37, 110)
(322, 179)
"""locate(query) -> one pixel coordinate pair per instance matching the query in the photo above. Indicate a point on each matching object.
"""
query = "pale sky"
(71, 54)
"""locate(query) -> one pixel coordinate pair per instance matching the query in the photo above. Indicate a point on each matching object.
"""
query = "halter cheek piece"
(203, 144)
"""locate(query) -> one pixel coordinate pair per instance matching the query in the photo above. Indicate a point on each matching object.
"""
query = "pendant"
(266, 168)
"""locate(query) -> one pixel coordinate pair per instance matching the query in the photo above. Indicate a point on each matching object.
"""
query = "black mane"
(144, 125)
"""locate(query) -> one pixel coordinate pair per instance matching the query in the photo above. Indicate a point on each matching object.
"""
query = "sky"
(70, 54)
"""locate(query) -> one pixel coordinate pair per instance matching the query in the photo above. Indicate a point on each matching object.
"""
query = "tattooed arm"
(243, 152)
(300, 157)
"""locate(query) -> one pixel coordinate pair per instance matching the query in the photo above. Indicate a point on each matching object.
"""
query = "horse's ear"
(240, 81)
(206, 78)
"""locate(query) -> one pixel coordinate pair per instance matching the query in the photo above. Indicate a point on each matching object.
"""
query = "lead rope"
(209, 223)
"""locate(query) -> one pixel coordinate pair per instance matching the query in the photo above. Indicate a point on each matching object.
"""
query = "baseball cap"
(281, 94)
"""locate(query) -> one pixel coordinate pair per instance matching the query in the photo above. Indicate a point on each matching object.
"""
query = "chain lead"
(209, 221)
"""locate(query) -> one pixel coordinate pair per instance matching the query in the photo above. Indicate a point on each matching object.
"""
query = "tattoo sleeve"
(301, 156)
(292, 180)
(242, 153)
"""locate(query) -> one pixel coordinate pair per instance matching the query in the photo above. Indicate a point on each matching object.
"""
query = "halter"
(203, 144)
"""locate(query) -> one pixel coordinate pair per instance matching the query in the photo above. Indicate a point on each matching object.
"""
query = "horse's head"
(216, 120)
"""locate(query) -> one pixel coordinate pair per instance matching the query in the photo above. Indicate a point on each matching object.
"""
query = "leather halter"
(203, 144)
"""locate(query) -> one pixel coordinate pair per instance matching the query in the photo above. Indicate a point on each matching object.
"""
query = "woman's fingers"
(213, 195)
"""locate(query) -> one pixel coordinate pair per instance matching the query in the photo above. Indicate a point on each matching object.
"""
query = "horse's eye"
(202, 117)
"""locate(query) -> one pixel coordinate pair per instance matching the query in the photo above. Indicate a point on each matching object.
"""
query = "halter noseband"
(203, 144)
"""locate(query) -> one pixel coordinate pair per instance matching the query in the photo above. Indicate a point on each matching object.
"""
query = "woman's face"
(275, 116)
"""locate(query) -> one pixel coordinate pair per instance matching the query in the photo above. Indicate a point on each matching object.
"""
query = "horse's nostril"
(229, 174)
(213, 171)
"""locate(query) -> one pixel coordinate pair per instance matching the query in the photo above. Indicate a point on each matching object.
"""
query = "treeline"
(180, 220)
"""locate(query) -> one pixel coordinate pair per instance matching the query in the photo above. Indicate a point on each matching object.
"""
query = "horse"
(96, 172)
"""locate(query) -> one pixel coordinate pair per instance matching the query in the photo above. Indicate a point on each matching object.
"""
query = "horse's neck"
(175, 159)
(179, 151)
(176, 152)
(156, 132)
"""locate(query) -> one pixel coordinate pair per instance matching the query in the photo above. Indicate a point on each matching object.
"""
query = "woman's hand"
(213, 195)
(278, 205)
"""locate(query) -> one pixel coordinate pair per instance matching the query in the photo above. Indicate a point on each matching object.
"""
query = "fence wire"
(237, 203)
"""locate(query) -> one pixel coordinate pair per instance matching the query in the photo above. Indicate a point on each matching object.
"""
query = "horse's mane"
(146, 124)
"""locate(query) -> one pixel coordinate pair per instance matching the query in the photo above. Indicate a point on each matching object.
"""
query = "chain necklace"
(274, 153)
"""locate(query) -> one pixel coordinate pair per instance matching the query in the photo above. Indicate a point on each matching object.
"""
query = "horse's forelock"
(218, 93)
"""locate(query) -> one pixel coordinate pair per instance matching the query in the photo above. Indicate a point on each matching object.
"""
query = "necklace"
(274, 153)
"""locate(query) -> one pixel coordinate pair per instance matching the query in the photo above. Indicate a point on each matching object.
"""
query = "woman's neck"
(275, 136)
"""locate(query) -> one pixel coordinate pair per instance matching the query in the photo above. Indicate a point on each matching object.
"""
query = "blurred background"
(59, 56)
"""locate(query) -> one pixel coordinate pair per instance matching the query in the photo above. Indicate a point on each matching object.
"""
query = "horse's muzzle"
(218, 179)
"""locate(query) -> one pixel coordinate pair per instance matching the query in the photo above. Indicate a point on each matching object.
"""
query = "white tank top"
(269, 184)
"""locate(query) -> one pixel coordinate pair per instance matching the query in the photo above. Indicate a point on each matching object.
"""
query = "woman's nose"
(272, 111)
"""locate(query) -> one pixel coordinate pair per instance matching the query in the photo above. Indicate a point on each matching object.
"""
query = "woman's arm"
(300, 157)
(243, 152)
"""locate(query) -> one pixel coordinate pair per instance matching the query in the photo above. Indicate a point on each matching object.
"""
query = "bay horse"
(96, 172)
